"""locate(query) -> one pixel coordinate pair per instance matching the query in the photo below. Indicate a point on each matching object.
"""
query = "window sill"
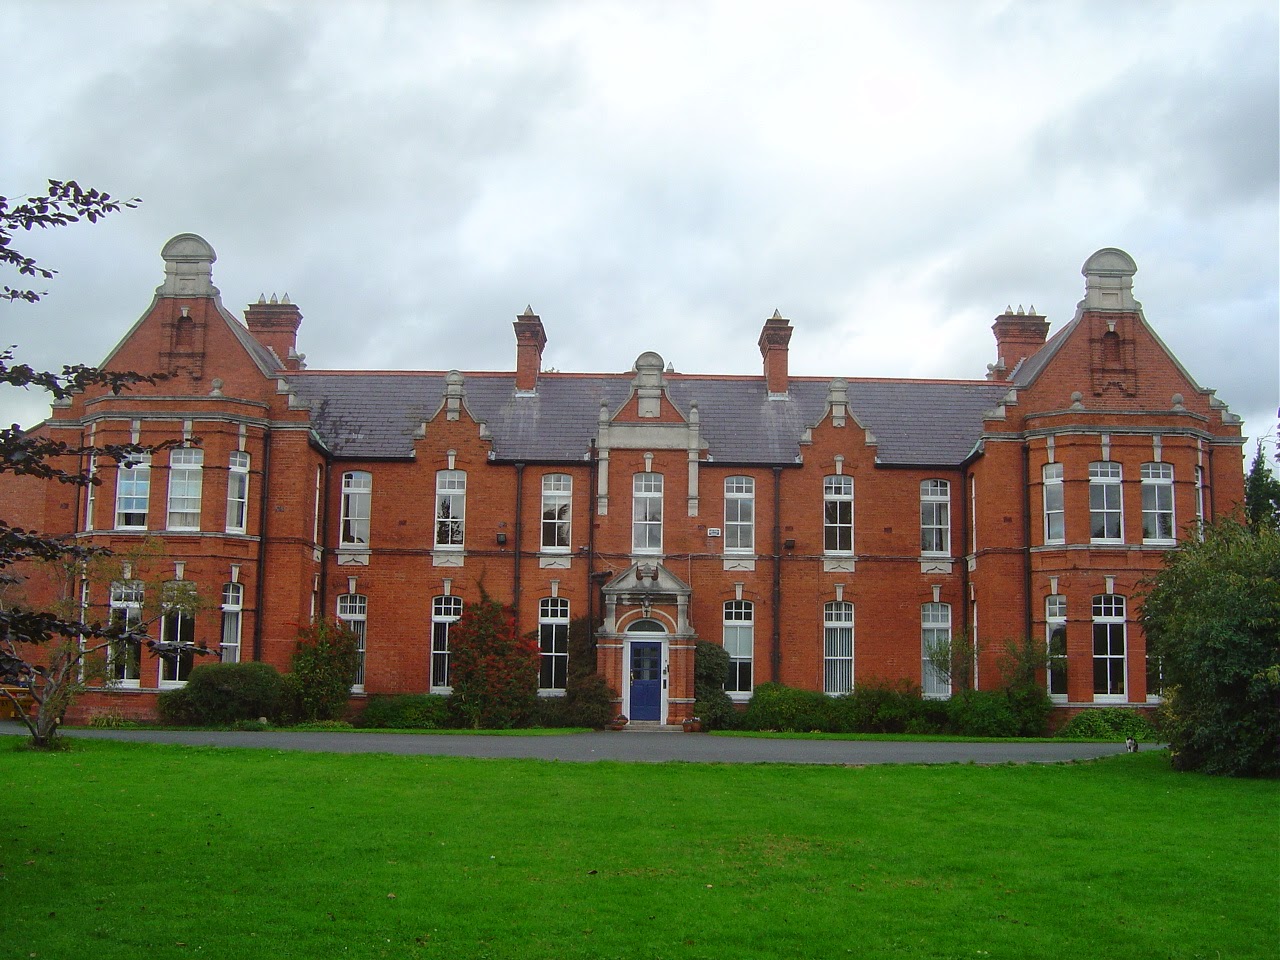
(552, 693)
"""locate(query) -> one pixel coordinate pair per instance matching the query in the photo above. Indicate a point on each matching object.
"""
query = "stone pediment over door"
(647, 586)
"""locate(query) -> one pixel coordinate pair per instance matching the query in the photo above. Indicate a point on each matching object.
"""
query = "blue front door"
(646, 680)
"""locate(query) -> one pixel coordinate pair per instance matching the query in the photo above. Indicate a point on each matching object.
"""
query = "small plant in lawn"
(324, 668)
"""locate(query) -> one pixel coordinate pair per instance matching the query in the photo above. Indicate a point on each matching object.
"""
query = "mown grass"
(118, 850)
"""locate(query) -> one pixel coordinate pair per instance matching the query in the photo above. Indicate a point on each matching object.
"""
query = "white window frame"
(1055, 639)
(1106, 502)
(1109, 626)
(557, 513)
(176, 626)
(186, 484)
(91, 469)
(451, 509)
(935, 518)
(357, 508)
(1158, 504)
(738, 640)
(1200, 488)
(353, 611)
(232, 621)
(238, 492)
(739, 514)
(1055, 508)
(445, 611)
(935, 630)
(837, 647)
(315, 511)
(646, 512)
(133, 490)
(124, 664)
(837, 515)
(553, 645)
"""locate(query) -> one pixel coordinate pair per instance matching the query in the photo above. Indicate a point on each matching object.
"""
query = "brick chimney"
(1018, 336)
(274, 324)
(530, 339)
(774, 340)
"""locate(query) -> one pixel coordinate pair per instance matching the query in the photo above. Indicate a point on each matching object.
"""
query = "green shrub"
(324, 668)
(774, 706)
(982, 713)
(410, 711)
(589, 701)
(251, 726)
(493, 671)
(218, 694)
(713, 706)
(324, 725)
(717, 711)
(110, 719)
(1022, 667)
(878, 707)
(1108, 723)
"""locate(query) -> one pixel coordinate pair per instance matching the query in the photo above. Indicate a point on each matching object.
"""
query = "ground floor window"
(353, 611)
(445, 612)
(1108, 646)
(1055, 615)
(232, 609)
(124, 657)
(553, 643)
(837, 642)
(935, 650)
(177, 626)
(739, 642)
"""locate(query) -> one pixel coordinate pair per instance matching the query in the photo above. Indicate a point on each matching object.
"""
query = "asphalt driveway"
(627, 746)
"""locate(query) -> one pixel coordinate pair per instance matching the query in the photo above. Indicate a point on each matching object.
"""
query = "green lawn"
(115, 850)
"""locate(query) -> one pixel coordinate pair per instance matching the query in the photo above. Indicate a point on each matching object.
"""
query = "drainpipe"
(1026, 539)
(515, 575)
(325, 475)
(591, 537)
(261, 573)
(964, 541)
(775, 653)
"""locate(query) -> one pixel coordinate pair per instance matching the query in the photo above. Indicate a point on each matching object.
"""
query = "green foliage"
(982, 713)
(251, 726)
(774, 706)
(879, 707)
(1022, 668)
(1213, 616)
(713, 706)
(582, 648)
(110, 719)
(324, 668)
(1262, 494)
(411, 711)
(589, 701)
(493, 671)
(322, 725)
(217, 694)
(1109, 723)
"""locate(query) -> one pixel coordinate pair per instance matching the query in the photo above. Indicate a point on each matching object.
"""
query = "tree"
(1213, 617)
(26, 632)
(493, 671)
(325, 665)
(1262, 494)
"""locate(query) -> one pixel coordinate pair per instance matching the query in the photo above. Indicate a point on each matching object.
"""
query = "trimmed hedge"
(410, 711)
(1109, 723)
(219, 694)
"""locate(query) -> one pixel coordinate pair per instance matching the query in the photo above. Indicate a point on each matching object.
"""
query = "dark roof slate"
(915, 422)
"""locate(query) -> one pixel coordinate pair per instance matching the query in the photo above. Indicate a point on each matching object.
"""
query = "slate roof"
(915, 422)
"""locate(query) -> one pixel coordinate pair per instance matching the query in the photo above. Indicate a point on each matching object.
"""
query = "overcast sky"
(659, 176)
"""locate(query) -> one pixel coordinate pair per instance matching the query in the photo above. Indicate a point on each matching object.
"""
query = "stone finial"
(217, 387)
(1077, 400)
(1108, 281)
(1178, 402)
(188, 267)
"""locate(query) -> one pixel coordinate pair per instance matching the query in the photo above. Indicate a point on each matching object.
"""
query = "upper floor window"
(553, 643)
(837, 647)
(232, 610)
(935, 517)
(238, 492)
(1055, 515)
(1109, 659)
(185, 481)
(353, 609)
(357, 496)
(1200, 501)
(445, 612)
(451, 508)
(133, 491)
(739, 643)
(1105, 519)
(646, 513)
(1157, 503)
(124, 656)
(739, 515)
(837, 514)
(935, 643)
(557, 506)
(1055, 617)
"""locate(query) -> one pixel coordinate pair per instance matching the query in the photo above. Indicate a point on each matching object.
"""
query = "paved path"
(627, 746)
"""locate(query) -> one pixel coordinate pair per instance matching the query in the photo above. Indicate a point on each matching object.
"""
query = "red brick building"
(824, 530)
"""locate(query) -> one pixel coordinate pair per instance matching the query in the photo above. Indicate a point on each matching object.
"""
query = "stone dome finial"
(1108, 281)
(188, 267)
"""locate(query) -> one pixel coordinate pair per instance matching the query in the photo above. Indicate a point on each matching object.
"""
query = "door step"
(652, 726)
